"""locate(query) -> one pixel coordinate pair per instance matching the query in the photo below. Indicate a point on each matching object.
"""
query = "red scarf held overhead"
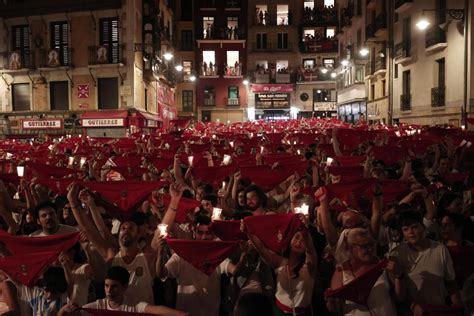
(215, 174)
(28, 267)
(130, 173)
(228, 230)
(122, 196)
(204, 255)
(185, 207)
(264, 176)
(103, 312)
(18, 245)
(389, 154)
(58, 186)
(47, 171)
(275, 231)
(358, 290)
(350, 160)
(350, 192)
(132, 161)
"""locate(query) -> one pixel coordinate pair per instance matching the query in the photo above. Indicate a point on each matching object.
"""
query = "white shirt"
(39, 305)
(427, 271)
(63, 229)
(140, 285)
(198, 293)
(80, 290)
(294, 292)
(125, 307)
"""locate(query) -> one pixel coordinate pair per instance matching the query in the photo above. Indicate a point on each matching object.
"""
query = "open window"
(330, 32)
(282, 14)
(261, 14)
(208, 27)
(282, 66)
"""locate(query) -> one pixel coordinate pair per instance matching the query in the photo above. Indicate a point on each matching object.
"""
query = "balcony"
(226, 34)
(402, 5)
(403, 52)
(208, 71)
(53, 58)
(314, 17)
(405, 102)
(380, 25)
(232, 71)
(209, 101)
(15, 61)
(233, 101)
(438, 97)
(262, 77)
(313, 45)
(313, 75)
(106, 55)
(271, 47)
(435, 39)
(380, 65)
(369, 70)
(283, 78)
(215, 71)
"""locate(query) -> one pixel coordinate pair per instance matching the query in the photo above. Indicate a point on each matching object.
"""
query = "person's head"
(394, 230)
(208, 202)
(54, 282)
(451, 226)
(378, 170)
(449, 203)
(141, 220)
(412, 226)
(201, 228)
(128, 234)
(444, 165)
(361, 245)
(297, 243)
(241, 198)
(255, 198)
(116, 283)
(47, 217)
(352, 219)
(253, 304)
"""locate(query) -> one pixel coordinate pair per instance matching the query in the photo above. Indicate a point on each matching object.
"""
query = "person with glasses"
(360, 248)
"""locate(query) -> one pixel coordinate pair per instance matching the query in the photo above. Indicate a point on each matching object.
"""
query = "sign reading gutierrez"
(43, 124)
(103, 122)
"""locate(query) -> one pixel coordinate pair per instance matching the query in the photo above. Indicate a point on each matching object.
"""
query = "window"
(405, 98)
(233, 95)
(384, 82)
(308, 34)
(441, 72)
(21, 45)
(282, 41)
(208, 57)
(282, 65)
(209, 96)
(372, 91)
(109, 38)
(187, 40)
(108, 93)
(329, 3)
(261, 41)
(324, 95)
(21, 96)
(406, 82)
(59, 95)
(407, 34)
(282, 14)
(208, 67)
(208, 26)
(187, 102)
(261, 17)
(328, 62)
(308, 63)
(232, 28)
(232, 4)
(60, 41)
(232, 57)
(187, 69)
(261, 64)
(330, 32)
(186, 10)
(232, 22)
(395, 71)
(146, 99)
(309, 4)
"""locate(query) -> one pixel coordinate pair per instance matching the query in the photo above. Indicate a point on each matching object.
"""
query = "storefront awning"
(148, 119)
(105, 118)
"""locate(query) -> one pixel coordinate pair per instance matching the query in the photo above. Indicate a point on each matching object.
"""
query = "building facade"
(97, 67)
(221, 59)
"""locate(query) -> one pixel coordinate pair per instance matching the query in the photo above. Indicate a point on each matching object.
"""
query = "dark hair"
(286, 254)
(202, 220)
(43, 205)
(119, 274)
(211, 198)
(139, 218)
(259, 192)
(444, 202)
(407, 218)
(54, 280)
(457, 219)
(238, 215)
(253, 304)
(187, 194)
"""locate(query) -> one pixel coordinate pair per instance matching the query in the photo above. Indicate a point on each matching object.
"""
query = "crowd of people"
(326, 13)
(297, 217)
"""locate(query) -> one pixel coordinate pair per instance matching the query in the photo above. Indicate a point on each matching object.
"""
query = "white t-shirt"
(37, 301)
(198, 293)
(427, 271)
(63, 229)
(294, 292)
(80, 290)
(125, 307)
(140, 286)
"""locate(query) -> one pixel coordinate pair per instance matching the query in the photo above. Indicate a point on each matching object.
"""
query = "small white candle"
(216, 213)
(50, 147)
(9, 155)
(71, 161)
(226, 160)
(329, 161)
(20, 170)
(299, 152)
(83, 161)
(261, 149)
(214, 136)
(163, 228)
(305, 209)
(231, 144)
(190, 160)
(298, 210)
(223, 185)
(397, 133)
(463, 127)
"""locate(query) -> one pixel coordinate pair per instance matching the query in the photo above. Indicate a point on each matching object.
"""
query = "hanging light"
(364, 51)
(168, 56)
(344, 62)
(192, 78)
(423, 23)
(324, 70)
(245, 82)
(178, 68)
(333, 75)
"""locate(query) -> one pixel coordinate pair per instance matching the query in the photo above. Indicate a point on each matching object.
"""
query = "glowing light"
(364, 52)
(423, 24)
(168, 56)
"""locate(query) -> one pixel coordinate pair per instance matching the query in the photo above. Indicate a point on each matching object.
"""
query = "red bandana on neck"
(358, 290)
(204, 255)
(275, 231)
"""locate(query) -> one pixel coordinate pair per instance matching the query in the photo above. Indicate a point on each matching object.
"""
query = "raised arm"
(270, 258)
(377, 207)
(5, 212)
(311, 255)
(328, 228)
(335, 143)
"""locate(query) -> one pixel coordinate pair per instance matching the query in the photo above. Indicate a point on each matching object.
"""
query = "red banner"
(272, 88)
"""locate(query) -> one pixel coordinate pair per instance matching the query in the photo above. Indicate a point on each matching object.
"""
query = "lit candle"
(463, 127)
(223, 185)
(9, 156)
(71, 161)
(190, 160)
(214, 136)
(83, 161)
(299, 152)
(231, 144)
(226, 160)
(50, 147)
(163, 228)
(20, 170)
(397, 133)
(261, 149)
(329, 161)
(418, 131)
(216, 213)
(305, 209)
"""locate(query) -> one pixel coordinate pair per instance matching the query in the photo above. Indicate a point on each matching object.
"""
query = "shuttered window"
(21, 43)
(59, 95)
(21, 96)
(60, 41)
(108, 93)
(109, 37)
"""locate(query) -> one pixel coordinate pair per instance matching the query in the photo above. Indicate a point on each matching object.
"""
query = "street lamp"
(245, 82)
(364, 52)
(192, 78)
(324, 70)
(344, 62)
(333, 75)
(178, 68)
(168, 56)
(423, 24)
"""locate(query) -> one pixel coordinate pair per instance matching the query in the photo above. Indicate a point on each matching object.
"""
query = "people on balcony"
(262, 17)
(310, 15)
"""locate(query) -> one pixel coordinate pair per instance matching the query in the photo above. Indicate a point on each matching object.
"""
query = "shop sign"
(325, 106)
(42, 124)
(103, 122)
(272, 100)
(272, 88)
(151, 123)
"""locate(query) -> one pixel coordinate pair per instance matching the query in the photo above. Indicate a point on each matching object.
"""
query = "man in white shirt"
(46, 214)
(428, 274)
(115, 286)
